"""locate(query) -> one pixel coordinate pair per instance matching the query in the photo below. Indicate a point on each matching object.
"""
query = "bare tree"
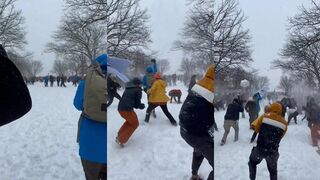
(301, 53)
(73, 39)
(60, 67)
(125, 21)
(12, 33)
(36, 67)
(286, 84)
(214, 34)
(163, 65)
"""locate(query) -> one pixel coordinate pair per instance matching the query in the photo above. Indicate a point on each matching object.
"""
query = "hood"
(135, 82)
(103, 61)
(275, 108)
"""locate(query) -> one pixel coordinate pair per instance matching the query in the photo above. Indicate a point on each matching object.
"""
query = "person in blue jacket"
(92, 135)
(148, 79)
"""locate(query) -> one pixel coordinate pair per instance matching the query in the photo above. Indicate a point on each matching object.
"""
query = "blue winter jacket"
(149, 70)
(92, 134)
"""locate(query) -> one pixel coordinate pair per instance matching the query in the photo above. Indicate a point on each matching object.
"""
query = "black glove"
(141, 106)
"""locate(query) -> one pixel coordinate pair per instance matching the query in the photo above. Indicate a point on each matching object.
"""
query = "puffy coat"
(157, 92)
(15, 100)
(92, 134)
(131, 98)
(271, 127)
(196, 115)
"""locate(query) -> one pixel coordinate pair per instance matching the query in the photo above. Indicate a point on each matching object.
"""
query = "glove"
(141, 106)
(153, 60)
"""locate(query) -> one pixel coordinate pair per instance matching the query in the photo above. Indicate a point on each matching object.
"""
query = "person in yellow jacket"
(157, 97)
(271, 127)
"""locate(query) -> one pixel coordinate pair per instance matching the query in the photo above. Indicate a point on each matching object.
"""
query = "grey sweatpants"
(227, 125)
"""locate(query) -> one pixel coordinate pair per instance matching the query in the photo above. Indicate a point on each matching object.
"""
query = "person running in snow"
(271, 127)
(292, 110)
(46, 80)
(90, 98)
(231, 119)
(148, 79)
(196, 122)
(112, 90)
(157, 97)
(131, 99)
(250, 107)
(314, 118)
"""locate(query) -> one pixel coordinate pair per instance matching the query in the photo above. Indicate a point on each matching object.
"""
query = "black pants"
(164, 109)
(94, 171)
(293, 115)
(111, 96)
(202, 148)
(257, 156)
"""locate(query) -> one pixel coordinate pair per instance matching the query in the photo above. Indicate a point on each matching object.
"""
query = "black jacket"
(131, 97)
(233, 111)
(15, 100)
(196, 115)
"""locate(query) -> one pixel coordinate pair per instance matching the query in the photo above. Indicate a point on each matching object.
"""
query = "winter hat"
(205, 86)
(275, 108)
(208, 80)
(103, 61)
(157, 76)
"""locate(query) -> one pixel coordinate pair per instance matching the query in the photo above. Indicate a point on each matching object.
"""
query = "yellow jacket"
(157, 92)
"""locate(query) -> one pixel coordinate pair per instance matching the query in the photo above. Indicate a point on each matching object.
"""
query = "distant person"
(271, 127)
(231, 119)
(197, 121)
(46, 81)
(63, 80)
(90, 98)
(250, 107)
(192, 82)
(15, 100)
(58, 80)
(131, 99)
(148, 79)
(157, 97)
(51, 79)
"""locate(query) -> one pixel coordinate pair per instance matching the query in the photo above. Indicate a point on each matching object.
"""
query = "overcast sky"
(267, 21)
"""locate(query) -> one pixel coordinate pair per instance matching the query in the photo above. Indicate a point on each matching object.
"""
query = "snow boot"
(154, 114)
(222, 142)
(147, 118)
(173, 122)
(195, 177)
(118, 142)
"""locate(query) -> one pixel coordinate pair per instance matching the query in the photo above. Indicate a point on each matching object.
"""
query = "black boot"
(147, 118)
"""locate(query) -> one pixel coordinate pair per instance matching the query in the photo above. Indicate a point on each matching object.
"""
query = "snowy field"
(42, 144)
(155, 151)
(298, 159)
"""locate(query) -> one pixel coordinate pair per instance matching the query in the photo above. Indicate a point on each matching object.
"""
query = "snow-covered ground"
(42, 144)
(155, 151)
(298, 159)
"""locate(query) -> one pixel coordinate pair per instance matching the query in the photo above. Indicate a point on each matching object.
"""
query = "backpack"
(95, 94)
